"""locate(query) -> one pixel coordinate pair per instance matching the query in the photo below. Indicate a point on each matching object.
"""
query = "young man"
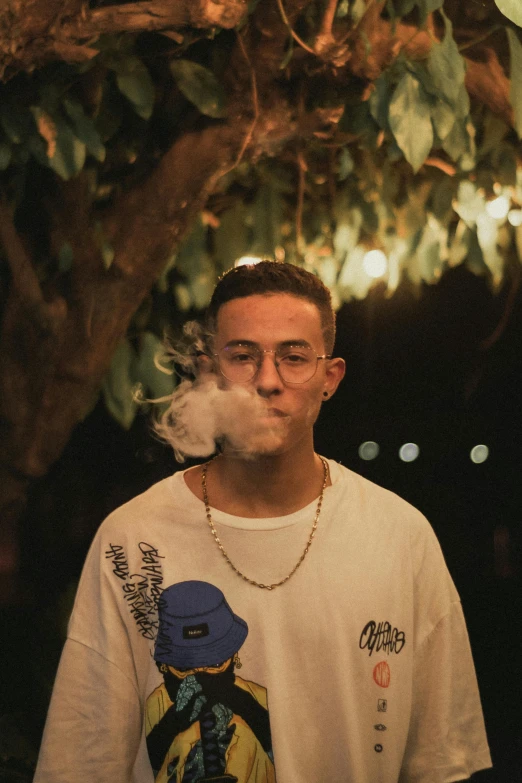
(356, 659)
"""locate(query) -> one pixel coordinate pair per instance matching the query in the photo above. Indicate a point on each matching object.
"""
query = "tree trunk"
(54, 351)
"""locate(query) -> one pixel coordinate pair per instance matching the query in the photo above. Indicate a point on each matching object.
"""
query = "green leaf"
(487, 232)
(144, 370)
(67, 151)
(446, 65)
(193, 249)
(456, 143)
(494, 129)
(470, 203)
(410, 121)
(118, 386)
(200, 87)
(65, 257)
(512, 9)
(357, 10)
(427, 7)
(106, 249)
(201, 287)
(85, 129)
(5, 156)
(346, 164)
(441, 199)
(182, 297)
(460, 244)
(379, 101)
(107, 254)
(515, 90)
(504, 160)
(443, 117)
(69, 157)
(358, 120)
(430, 251)
(399, 8)
(135, 82)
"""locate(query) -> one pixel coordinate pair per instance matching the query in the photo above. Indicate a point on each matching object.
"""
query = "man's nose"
(267, 377)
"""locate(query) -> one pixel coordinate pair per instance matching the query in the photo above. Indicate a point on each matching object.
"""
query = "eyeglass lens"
(295, 364)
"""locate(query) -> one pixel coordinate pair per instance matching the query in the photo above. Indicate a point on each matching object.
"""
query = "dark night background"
(415, 372)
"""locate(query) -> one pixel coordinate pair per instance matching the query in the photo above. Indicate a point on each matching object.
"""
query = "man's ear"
(335, 370)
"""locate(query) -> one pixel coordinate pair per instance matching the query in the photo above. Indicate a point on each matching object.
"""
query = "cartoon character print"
(204, 722)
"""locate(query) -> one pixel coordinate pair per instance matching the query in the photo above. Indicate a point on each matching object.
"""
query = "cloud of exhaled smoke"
(202, 415)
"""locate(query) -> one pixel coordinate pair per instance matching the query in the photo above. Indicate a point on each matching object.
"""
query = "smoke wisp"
(202, 416)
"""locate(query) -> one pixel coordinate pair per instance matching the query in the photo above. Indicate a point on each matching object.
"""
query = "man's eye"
(294, 358)
(241, 358)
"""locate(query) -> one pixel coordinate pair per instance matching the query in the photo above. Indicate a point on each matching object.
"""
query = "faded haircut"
(273, 277)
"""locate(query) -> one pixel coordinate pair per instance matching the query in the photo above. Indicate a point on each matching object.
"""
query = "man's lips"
(274, 413)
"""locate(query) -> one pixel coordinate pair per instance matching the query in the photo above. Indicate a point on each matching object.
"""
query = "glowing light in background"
(479, 453)
(244, 260)
(375, 263)
(515, 217)
(368, 450)
(498, 208)
(409, 452)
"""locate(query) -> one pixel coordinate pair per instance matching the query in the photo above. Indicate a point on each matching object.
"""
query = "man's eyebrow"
(283, 344)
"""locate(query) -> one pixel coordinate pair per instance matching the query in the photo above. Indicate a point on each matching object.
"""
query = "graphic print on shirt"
(142, 587)
(204, 722)
(381, 638)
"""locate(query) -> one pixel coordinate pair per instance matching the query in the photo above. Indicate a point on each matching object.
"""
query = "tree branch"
(156, 15)
(291, 30)
(44, 31)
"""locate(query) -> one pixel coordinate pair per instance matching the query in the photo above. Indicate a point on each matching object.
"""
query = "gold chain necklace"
(222, 549)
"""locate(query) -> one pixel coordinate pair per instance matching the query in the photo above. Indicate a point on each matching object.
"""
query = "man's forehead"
(270, 321)
(256, 306)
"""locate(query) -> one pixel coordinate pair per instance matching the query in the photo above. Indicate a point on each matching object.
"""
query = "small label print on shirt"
(382, 705)
(382, 636)
(382, 674)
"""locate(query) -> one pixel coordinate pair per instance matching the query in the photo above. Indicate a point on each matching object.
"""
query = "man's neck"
(267, 486)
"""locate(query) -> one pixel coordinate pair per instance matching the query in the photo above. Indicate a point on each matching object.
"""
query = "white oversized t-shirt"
(361, 659)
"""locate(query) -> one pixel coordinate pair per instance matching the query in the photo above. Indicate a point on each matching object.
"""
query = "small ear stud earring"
(325, 394)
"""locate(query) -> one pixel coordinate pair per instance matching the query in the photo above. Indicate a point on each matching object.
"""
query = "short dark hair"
(273, 277)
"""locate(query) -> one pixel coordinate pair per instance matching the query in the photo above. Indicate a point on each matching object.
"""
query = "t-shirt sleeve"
(93, 725)
(94, 722)
(446, 739)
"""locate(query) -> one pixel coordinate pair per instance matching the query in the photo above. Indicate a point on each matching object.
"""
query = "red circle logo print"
(381, 674)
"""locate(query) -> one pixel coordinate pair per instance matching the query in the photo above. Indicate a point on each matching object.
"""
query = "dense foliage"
(145, 147)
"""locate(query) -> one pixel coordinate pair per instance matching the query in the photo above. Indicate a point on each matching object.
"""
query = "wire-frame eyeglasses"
(294, 363)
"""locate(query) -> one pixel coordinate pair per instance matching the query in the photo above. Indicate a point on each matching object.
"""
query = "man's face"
(269, 322)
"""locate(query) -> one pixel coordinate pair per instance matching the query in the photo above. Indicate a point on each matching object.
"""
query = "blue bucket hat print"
(196, 626)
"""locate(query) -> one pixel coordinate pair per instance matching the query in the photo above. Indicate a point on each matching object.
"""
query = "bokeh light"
(409, 452)
(368, 450)
(479, 453)
(244, 260)
(515, 217)
(375, 263)
(498, 208)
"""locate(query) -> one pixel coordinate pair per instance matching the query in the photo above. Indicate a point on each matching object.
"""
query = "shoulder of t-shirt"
(426, 556)
(379, 498)
(156, 501)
